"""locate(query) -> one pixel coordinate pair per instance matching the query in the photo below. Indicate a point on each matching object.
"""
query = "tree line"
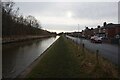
(15, 24)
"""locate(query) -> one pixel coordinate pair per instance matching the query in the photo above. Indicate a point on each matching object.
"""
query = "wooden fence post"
(83, 46)
(97, 52)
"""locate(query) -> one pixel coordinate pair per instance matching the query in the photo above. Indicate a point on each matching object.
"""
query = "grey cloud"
(92, 10)
(81, 10)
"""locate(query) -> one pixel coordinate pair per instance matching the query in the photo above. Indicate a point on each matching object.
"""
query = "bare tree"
(8, 6)
(33, 21)
(98, 26)
(104, 24)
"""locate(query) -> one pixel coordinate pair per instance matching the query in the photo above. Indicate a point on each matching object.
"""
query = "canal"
(16, 57)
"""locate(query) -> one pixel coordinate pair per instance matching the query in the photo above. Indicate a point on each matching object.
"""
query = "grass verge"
(64, 59)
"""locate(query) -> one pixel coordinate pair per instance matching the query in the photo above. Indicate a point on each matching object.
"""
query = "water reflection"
(17, 56)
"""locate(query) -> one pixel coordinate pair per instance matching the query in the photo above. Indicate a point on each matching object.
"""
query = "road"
(108, 51)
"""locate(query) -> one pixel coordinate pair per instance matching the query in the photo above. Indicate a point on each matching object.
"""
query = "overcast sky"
(65, 16)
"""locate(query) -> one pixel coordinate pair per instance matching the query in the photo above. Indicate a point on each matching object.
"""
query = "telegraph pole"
(78, 31)
(78, 36)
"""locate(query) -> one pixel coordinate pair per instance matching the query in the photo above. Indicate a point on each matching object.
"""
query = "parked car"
(96, 39)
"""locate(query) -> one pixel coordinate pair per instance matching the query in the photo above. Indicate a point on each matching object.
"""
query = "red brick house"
(112, 30)
(109, 31)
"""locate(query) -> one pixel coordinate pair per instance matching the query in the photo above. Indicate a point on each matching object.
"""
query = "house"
(87, 33)
(112, 30)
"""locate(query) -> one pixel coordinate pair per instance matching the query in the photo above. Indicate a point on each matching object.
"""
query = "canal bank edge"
(23, 38)
(34, 63)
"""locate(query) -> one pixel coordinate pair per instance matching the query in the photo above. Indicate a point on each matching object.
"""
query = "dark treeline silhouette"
(14, 24)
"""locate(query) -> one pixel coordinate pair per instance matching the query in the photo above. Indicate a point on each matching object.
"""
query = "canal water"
(16, 57)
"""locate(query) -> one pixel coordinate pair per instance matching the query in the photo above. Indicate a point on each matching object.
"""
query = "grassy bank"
(65, 60)
(13, 39)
